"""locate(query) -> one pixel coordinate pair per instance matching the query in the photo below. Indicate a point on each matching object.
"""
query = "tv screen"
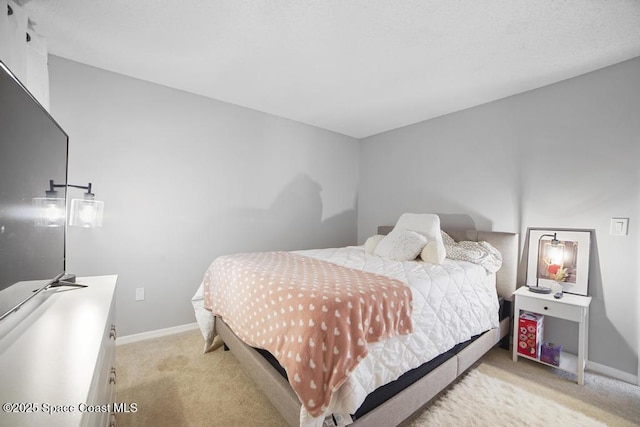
(33, 152)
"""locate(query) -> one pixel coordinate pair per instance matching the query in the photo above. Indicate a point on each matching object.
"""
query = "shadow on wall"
(456, 222)
(292, 222)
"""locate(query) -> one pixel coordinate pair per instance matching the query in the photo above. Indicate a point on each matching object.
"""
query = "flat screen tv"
(33, 151)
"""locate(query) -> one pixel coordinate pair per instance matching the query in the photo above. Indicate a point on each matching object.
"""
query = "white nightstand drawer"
(551, 308)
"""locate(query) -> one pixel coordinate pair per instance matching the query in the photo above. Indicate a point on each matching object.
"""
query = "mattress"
(452, 303)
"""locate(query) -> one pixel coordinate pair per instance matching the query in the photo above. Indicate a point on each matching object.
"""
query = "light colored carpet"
(175, 384)
(479, 399)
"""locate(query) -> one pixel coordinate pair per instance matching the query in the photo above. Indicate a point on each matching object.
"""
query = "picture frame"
(564, 262)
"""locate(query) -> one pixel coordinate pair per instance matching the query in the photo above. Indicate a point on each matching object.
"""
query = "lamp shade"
(49, 211)
(86, 213)
(554, 253)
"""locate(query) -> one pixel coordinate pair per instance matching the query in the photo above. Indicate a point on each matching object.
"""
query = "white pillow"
(433, 253)
(429, 226)
(371, 243)
(401, 245)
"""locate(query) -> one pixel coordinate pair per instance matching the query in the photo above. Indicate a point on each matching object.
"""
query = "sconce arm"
(87, 187)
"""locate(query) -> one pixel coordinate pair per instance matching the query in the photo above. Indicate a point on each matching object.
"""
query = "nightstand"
(570, 307)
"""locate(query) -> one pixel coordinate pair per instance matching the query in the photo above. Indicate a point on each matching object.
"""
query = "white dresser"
(57, 364)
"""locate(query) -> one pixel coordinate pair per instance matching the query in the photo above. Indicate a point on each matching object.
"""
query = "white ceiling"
(357, 67)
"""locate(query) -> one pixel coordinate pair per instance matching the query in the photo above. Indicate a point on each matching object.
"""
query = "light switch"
(619, 226)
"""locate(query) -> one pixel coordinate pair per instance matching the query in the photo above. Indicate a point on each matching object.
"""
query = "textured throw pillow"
(446, 239)
(481, 253)
(372, 243)
(429, 226)
(401, 245)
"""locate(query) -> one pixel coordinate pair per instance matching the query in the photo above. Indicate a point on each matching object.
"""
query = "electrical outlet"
(139, 294)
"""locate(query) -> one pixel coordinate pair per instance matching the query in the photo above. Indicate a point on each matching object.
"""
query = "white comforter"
(451, 303)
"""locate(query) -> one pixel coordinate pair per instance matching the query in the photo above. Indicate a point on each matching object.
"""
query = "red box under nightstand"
(530, 329)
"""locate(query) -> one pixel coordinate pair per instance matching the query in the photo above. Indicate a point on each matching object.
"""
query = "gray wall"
(185, 179)
(493, 162)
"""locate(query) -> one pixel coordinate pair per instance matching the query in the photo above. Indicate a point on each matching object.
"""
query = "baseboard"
(127, 339)
(612, 372)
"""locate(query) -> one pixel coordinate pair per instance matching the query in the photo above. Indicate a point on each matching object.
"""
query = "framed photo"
(559, 256)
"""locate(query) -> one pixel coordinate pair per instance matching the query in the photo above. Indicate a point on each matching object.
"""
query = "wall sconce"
(553, 258)
(85, 212)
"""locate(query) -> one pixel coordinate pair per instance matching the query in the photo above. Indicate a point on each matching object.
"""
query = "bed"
(400, 371)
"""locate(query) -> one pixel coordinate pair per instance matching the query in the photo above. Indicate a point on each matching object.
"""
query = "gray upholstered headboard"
(506, 243)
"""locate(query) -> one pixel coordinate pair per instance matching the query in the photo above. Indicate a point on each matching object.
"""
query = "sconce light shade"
(86, 213)
(49, 212)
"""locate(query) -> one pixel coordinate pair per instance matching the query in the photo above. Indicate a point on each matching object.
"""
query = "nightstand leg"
(514, 341)
(582, 347)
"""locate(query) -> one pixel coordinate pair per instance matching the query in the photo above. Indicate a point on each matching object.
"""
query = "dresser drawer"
(102, 392)
(550, 308)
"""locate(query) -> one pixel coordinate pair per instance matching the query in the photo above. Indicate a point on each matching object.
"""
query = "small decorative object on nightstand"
(571, 307)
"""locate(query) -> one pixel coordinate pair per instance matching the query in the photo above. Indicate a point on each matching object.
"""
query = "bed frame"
(404, 404)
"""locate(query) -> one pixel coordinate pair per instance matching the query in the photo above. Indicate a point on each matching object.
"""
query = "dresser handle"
(546, 308)
(112, 333)
(112, 376)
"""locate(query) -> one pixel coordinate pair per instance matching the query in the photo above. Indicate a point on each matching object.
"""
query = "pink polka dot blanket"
(314, 316)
